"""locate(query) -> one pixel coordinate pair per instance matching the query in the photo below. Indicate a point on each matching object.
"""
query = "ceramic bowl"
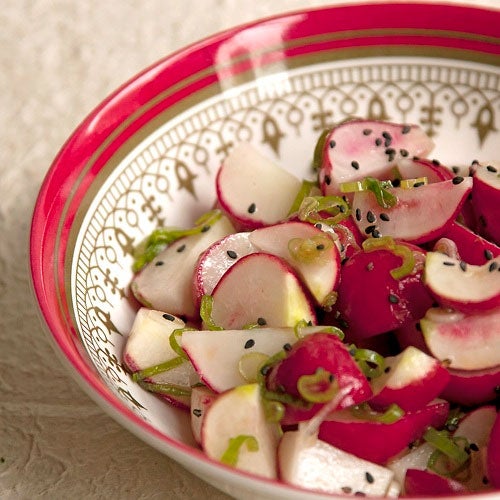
(146, 157)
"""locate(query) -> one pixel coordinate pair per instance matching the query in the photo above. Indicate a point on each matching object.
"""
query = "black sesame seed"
(463, 265)
(418, 184)
(332, 144)
(378, 141)
(159, 263)
(251, 208)
(491, 168)
(287, 347)
(370, 216)
(386, 135)
(370, 229)
(346, 489)
(384, 217)
(475, 162)
(396, 183)
(320, 246)
(457, 180)
(474, 447)
(344, 324)
(261, 322)
(197, 412)
(181, 248)
(455, 170)
(265, 370)
(168, 317)
(436, 163)
(416, 158)
(390, 151)
(488, 255)
(369, 478)
(418, 327)
(342, 209)
(367, 131)
(406, 129)
(376, 233)
(387, 369)
(358, 214)
(485, 480)
(393, 299)
(355, 165)
(404, 153)
(493, 266)
(318, 225)
(232, 254)
(249, 343)
(448, 263)
(204, 229)
(328, 180)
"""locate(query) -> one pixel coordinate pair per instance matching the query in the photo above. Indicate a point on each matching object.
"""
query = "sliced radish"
(467, 342)
(486, 200)
(414, 168)
(471, 247)
(357, 149)
(424, 483)
(166, 282)
(261, 288)
(216, 260)
(201, 399)
(311, 252)
(419, 215)
(227, 358)
(378, 441)
(148, 345)
(411, 380)
(465, 287)
(253, 190)
(308, 462)
(236, 431)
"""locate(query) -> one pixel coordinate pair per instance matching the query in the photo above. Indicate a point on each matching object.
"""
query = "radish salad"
(342, 333)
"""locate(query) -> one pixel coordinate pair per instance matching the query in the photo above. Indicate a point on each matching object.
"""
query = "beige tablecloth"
(58, 60)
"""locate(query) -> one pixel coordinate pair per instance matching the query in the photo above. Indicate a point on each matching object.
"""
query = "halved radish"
(411, 379)
(166, 282)
(309, 250)
(235, 430)
(486, 200)
(467, 342)
(420, 214)
(308, 462)
(261, 288)
(357, 149)
(378, 441)
(227, 358)
(253, 190)
(148, 345)
(461, 286)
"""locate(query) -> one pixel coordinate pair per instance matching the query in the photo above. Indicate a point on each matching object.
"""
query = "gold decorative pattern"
(167, 178)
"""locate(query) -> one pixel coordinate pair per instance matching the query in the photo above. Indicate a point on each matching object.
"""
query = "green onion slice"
(371, 363)
(159, 368)
(320, 387)
(206, 313)
(174, 343)
(250, 364)
(231, 455)
(305, 190)
(442, 441)
(167, 389)
(148, 249)
(310, 250)
(388, 243)
(328, 210)
(363, 411)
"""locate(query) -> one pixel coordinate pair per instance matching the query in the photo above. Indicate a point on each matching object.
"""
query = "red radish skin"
(371, 301)
(471, 247)
(305, 357)
(376, 441)
(357, 149)
(422, 483)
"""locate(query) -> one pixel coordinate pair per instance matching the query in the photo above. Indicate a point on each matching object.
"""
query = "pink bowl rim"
(52, 218)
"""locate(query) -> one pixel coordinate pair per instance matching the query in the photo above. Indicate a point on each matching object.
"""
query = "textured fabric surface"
(58, 60)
